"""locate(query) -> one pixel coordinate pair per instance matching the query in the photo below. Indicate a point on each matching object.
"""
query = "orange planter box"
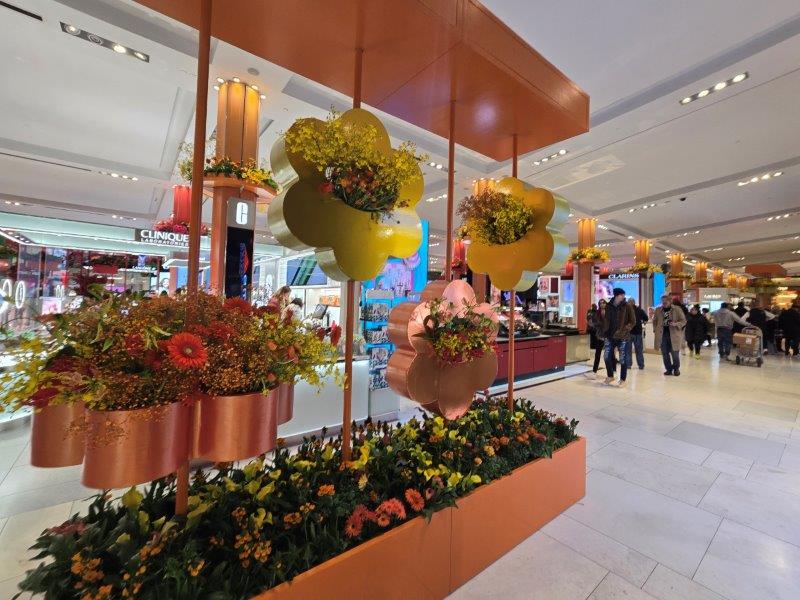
(425, 561)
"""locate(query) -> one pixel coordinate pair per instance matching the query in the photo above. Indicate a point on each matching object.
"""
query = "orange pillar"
(676, 271)
(238, 108)
(716, 277)
(587, 231)
(700, 272)
(641, 249)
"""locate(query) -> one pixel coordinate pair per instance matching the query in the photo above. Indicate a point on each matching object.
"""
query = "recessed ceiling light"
(236, 80)
(765, 176)
(562, 152)
(686, 100)
(703, 93)
(720, 86)
(777, 174)
(716, 88)
(216, 87)
(740, 77)
(438, 166)
(630, 237)
(545, 159)
(220, 80)
(115, 174)
(255, 87)
(105, 43)
(630, 210)
(263, 97)
(537, 163)
(754, 179)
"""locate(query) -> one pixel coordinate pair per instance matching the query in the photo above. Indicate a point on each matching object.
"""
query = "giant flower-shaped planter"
(516, 266)
(349, 243)
(416, 373)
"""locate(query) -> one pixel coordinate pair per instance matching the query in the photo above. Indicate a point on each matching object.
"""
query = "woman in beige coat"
(668, 325)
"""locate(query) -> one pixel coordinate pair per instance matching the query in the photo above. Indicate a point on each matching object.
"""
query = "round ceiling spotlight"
(720, 86)
(220, 80)
(119, 48)
(72, 30)
(703, 94)
(236, 80)
(95, 38)
(140, 56)
(686, 100)
(739, 77)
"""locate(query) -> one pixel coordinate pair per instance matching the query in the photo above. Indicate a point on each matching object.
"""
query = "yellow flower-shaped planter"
(516, 266)
(349, 243)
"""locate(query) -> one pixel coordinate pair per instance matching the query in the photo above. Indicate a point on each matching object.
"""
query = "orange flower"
(353, 526)
(384, 520)
(391, 508)
(186, 351)
(414, 499)
(326, 490)
(238, 304)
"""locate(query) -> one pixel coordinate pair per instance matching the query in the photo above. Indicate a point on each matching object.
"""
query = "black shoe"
(667, 372)
(676, 373)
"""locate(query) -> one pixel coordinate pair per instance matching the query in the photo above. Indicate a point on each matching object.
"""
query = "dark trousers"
(724, 340)
(672, 358)
(636, 345)
(695, 346)
(793, 344)
(598, 352)
(611, 360)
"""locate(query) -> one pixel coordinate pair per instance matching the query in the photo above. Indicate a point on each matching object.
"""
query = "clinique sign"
(163, 238)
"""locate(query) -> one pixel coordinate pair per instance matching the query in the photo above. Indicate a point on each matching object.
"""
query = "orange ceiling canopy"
(418, 55)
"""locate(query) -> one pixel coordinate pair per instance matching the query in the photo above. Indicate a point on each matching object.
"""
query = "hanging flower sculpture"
(445, 348)
(519, 236)
(353, 196)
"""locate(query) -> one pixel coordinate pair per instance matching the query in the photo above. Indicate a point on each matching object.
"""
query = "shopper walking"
(725, 319)
(617, 324)
(594, 325)
(669, 322)
(696, 330)
(637, 336)
(710, 330)
(790, 325)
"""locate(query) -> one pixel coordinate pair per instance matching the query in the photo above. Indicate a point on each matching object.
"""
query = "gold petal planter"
(516, 266)
(433, 559)
(349, 243)
(57, 438)
(416, 373)
(129, 447)
(241, 426)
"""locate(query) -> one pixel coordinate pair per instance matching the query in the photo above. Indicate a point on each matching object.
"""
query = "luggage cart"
(749, 346)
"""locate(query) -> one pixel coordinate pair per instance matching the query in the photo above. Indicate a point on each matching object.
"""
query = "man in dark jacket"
(637, 335)
(789, 322)
(740, 311)
(617, 324)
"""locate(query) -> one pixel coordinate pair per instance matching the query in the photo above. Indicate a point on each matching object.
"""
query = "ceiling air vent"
(21, 11)
(47, 162)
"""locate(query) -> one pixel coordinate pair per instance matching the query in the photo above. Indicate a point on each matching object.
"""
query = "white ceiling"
(88, 109)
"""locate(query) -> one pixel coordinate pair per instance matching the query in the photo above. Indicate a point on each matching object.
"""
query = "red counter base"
(427, 561)
(532, 356)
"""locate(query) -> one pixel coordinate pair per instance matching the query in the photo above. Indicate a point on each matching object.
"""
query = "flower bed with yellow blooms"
(249, 529)
(596, 254)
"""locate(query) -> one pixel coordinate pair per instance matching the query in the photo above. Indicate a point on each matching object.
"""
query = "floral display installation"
(444, 348)
(251, 528)
(516, 265)
(494, 217)
(593, 254)
(172, 225)
(348, 195)
(249, 171)
(643, 268)
(122, 353)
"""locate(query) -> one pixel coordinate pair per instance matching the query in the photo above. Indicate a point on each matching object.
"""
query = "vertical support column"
(641, 250)
(196, 206)
(451, 163)
(238, 108)
(587, 232)
(675, 274)
(350, 304)
(716, 277)
(512, 306)
(701, 271)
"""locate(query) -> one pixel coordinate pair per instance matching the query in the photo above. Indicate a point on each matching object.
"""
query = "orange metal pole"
(196, 206)
(350, 305)
(512, 305)
(451, 160)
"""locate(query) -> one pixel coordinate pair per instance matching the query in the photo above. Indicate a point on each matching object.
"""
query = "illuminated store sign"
(623, 276)
(163, 238)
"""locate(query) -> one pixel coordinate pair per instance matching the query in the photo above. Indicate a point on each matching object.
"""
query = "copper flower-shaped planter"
(349, 243)
(516, 266)
(57, 438)
(128, 447)
(415, 372)
(243, 425)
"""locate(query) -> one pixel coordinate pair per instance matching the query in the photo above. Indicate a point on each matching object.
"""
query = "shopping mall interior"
(407, 299)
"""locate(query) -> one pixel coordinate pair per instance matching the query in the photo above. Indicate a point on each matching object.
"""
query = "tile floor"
(693, 492)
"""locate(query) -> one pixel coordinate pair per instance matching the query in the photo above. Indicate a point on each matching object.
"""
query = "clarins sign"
(163, 238)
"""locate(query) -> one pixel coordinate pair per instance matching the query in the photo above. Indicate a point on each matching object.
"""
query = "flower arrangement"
(595, 254)
(457, 335)
(686, 276)
(355, 169)
(172, 225)
(641, 267)
(494, 217)
(121, 353)
(249, 171)
(251, 528)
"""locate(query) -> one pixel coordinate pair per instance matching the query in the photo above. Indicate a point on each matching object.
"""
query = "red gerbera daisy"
(353, 526)
(414, 499)
(186, 351)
